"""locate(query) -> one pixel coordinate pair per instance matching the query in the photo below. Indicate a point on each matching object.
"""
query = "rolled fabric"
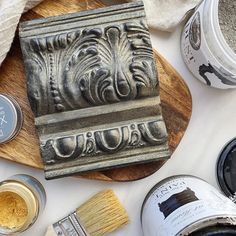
(30, 4)
(10, 13)
(165, 15)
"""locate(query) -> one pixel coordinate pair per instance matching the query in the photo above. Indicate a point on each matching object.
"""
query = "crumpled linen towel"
(165, 15)
(10, 13)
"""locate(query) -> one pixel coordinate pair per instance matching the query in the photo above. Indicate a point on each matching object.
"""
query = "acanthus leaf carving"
(142, 66)
(91, 67)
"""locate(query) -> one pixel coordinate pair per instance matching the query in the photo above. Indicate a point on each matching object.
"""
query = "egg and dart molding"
(92, 86)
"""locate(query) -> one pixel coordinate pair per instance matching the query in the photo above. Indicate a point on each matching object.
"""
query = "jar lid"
(11, 118)
(217, 230)
(226, 169)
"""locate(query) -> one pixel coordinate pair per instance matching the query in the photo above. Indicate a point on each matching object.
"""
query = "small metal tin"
(226, 169)
(11, 118)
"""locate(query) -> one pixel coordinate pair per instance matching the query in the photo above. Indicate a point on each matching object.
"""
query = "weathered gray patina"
(92, 85)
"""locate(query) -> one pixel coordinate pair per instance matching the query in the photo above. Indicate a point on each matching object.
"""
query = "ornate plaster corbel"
(92, 85)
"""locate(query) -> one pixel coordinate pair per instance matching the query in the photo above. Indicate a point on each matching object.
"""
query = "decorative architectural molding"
(92, 85)
(106, 141)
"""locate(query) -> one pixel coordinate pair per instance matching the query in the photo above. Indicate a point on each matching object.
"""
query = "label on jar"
(198, 56)
(8, 120)
(181, 201)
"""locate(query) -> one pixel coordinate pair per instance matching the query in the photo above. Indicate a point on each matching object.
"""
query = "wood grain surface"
(24, 149)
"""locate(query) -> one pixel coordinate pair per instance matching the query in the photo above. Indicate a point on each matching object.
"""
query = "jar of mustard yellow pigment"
(208, 43)
(22, 199)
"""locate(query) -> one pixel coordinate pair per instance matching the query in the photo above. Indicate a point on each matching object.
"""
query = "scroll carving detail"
(91, 67)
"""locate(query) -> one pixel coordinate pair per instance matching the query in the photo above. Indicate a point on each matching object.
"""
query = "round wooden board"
(175, 96)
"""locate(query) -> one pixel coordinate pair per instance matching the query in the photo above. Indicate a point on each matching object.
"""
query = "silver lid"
(11, 118)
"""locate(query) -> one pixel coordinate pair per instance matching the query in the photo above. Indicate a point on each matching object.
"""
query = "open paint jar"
(187, 205)
(22, 199)
(208, 43)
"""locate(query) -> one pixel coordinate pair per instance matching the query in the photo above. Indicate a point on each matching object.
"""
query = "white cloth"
(167, 14)
(10, 13)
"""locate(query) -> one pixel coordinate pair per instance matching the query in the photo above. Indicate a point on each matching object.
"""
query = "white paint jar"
(185, 205)
(205, 50)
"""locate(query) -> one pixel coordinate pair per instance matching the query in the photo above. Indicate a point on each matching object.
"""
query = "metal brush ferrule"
(70, 226)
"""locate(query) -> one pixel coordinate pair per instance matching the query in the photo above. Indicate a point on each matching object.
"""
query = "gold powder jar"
(22, 199)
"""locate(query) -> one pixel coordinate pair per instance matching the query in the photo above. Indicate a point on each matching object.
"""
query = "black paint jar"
(187, 205)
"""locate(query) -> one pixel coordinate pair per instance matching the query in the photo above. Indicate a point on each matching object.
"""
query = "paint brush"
(100, 215)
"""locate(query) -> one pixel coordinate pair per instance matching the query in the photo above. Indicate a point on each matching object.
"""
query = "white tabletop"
(211, 126)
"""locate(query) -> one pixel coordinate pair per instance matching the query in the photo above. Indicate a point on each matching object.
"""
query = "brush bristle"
(102, 214)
